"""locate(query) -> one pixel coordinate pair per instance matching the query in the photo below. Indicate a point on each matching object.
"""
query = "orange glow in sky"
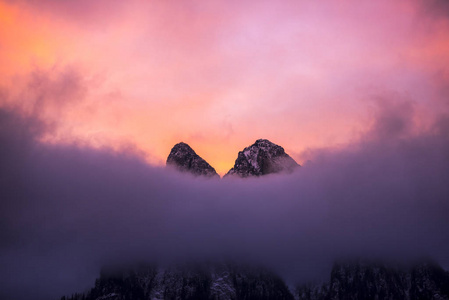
(218, 75)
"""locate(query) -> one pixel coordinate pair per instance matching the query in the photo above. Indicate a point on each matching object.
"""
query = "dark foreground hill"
(193, 282)
(377, 281)
(348, 281)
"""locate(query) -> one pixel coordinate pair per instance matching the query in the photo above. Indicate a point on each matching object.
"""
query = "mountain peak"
(181, 148)
(185, 159)
(262, 158)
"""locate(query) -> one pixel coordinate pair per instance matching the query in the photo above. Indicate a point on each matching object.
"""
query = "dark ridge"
(208, 281)
(376, 281)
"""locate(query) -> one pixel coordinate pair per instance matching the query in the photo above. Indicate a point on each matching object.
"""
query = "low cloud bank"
(68, 210)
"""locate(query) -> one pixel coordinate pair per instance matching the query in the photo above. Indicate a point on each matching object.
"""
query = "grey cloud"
(437, 8)
(55, 88)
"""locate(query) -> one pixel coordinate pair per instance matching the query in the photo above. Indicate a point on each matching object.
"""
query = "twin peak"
(261, 158)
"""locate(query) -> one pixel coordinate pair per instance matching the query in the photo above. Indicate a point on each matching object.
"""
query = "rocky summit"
(183, 158)
(262, 158)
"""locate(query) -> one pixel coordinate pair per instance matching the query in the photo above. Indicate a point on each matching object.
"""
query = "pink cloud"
(156, 73)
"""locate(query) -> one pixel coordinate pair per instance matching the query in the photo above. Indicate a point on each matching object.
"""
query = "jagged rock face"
(262, 158)
(211, 281)
(183, 158)
(425, 281)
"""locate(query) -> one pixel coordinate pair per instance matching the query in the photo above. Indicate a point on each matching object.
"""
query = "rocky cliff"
(262, 158)
(183, 158)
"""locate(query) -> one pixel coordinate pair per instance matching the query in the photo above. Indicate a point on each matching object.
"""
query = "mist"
(68, 210)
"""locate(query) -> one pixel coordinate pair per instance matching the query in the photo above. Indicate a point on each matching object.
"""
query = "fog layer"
(65, 211)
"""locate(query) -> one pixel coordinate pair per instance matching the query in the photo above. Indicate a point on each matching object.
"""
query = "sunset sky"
(144, 75)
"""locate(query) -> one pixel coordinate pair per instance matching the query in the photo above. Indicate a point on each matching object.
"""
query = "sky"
(219, 75)
(93, 95)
